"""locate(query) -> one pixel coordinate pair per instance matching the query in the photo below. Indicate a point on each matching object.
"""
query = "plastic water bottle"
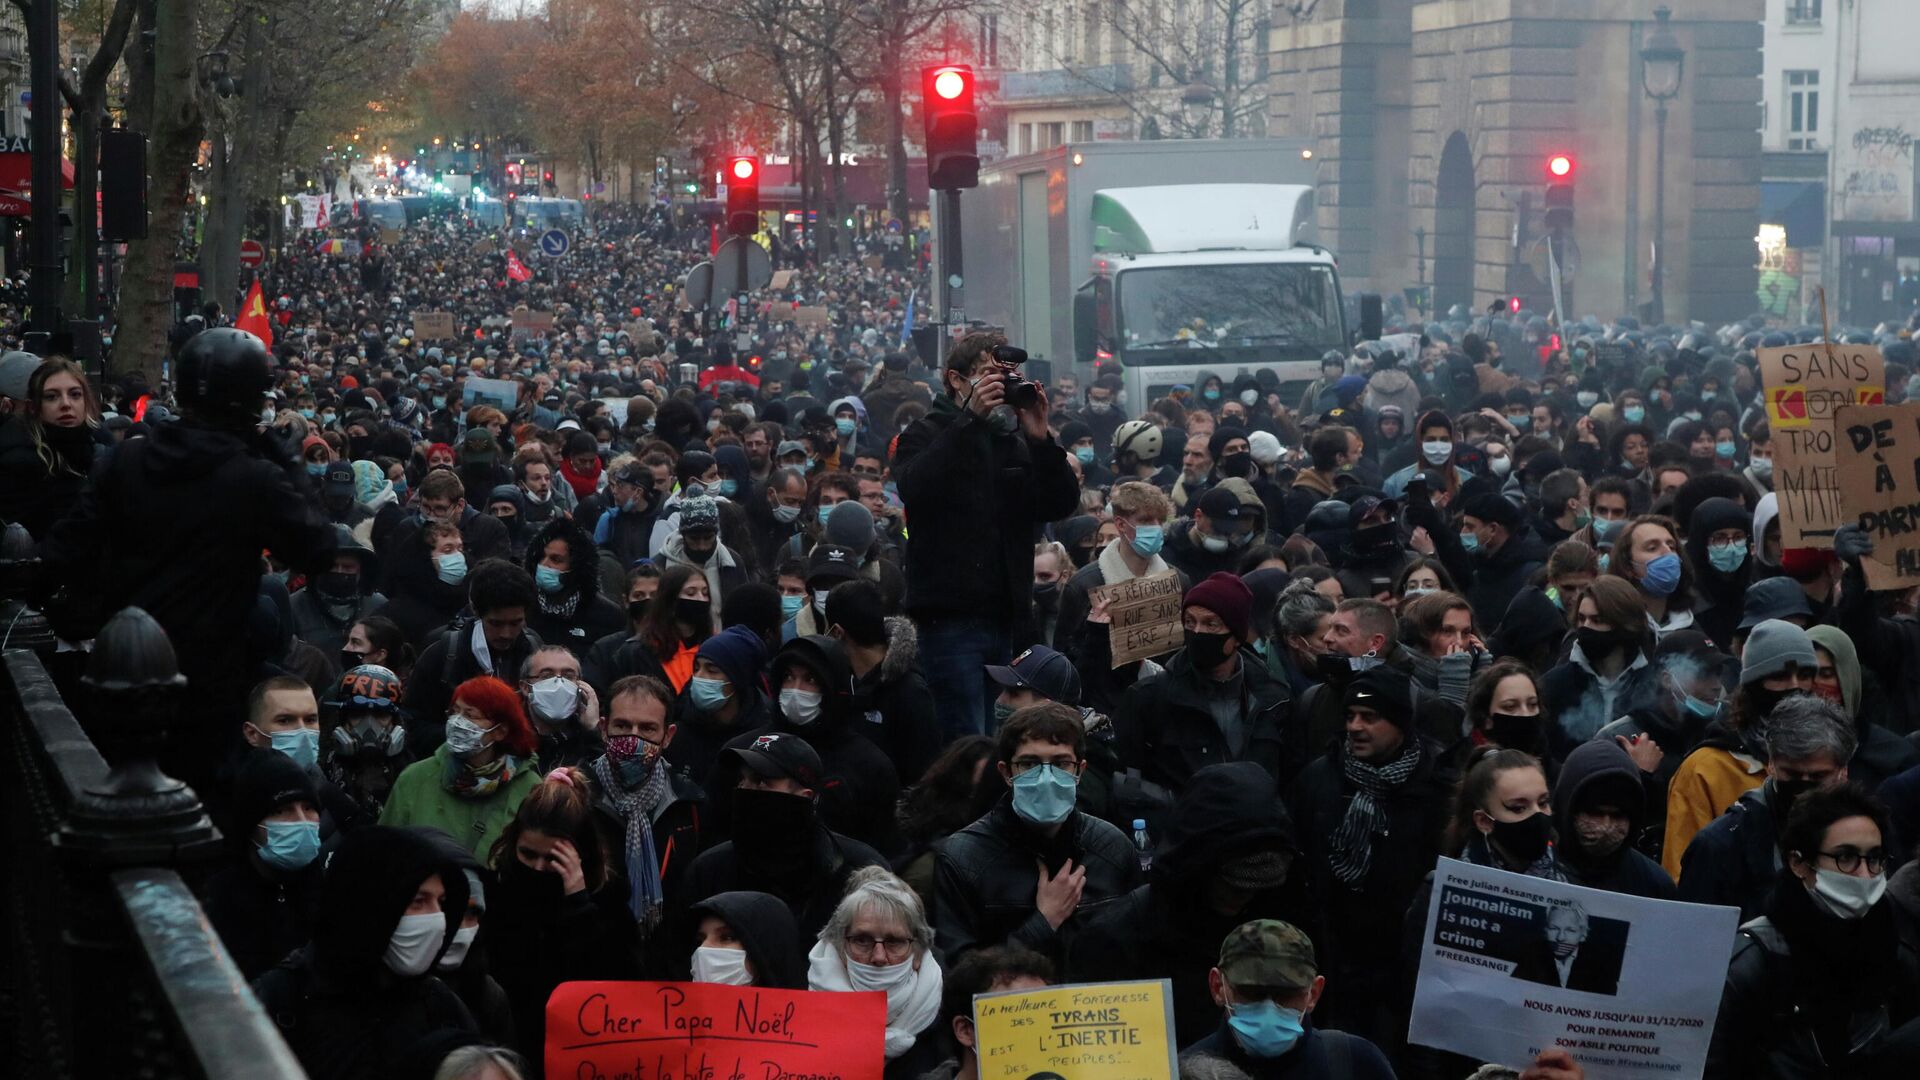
(1142, 844)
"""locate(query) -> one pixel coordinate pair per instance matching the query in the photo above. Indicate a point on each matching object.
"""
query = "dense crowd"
(761, 651)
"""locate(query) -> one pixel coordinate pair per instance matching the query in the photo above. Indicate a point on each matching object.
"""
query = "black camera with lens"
(1022, 393)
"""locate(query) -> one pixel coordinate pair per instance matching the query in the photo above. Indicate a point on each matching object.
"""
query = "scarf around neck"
(470, 782)
(1352, 853)
(645, 895)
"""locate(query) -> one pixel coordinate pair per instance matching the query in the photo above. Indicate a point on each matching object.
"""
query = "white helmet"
(1139, 438)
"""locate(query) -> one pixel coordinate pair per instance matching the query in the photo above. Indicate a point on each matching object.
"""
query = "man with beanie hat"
(1077, 437)
(727, 667)
(1209, 706)
(1777, 661)
(263, 901)
(696, 544)
(1492, 557)
(1369, 818)
(358, 995)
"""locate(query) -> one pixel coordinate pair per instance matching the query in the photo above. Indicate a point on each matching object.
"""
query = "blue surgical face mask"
(290, 845)
(306, 413)
(1605, 530)
(1147, 540)
(1470, 541)
(1705, 710)
(1044, 794)
(726, 487)
(1211, 393)
(1264, 1029)
(1587, 398)
(791, 605)
(316, 469)
(843, 425)
(1634, 413)
(707, 695)
(1727, 558)
(1662, 576)
(824, 511)
(300, 744)
(452, 568)
(1085, 454)
(1724, 448)
(548, 579)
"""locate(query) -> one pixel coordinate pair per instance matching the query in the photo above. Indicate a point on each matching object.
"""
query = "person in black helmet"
(176, 522)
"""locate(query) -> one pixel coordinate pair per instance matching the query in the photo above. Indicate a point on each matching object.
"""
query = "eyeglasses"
(1028, 764)
(1847, 860)
(864, 945)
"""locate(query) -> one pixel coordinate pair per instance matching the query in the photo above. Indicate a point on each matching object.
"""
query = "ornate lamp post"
(1663, 63)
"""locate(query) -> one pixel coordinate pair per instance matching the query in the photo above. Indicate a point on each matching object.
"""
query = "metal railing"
(112, 968)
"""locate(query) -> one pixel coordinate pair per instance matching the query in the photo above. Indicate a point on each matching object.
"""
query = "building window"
(989, 51)
(1026, 138)
(1803, 110)
(1083, 131)
(1803, 12)
(1051, 135)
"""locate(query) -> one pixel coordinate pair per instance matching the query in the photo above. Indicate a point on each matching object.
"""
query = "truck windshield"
(1180, 307)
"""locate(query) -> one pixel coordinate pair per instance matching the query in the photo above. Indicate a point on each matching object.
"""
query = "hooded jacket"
(321, 623)
(261, 913)
(343, 1012)
(577, 615)
(765, 927)
(1604, 768)
(417, 600)
(1167, 925)
(1392, 386)
(859, 785)
(1726, 765)
(1166, 727)
(896, 706)
(1881, 754)
(520, 527)
(473, 979)
(1719, 598)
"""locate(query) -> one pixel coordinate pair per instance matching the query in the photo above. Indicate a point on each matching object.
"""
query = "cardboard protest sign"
(781, 279)
(812, 316)
(1511, 965)
(1088, 1032)
(389, 236)
(1803, 387)
(481, 247)
(1145, 615)
(433, 325)
(1877, 462)
(706, 1031)
(502, 394)
(872, 262)
(527, 323)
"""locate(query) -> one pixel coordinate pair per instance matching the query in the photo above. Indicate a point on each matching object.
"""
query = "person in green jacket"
(473, 784)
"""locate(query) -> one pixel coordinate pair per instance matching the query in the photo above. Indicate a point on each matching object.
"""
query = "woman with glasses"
(879, 939)
(1821, 984)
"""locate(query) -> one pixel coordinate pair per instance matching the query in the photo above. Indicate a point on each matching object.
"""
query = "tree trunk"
(145, 313)
(892, 93)
(836, 141)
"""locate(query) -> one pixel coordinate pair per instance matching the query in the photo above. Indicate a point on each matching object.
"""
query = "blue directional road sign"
(554, 243)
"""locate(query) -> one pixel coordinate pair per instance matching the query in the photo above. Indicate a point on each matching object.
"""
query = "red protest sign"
(705, 1031)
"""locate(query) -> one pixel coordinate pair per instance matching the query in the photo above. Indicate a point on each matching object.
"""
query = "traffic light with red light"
(1513, 305)
(1559, 200)
(743, 196)
(953, 127)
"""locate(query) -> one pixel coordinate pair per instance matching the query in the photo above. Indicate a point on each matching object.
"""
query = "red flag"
(253, 316)
(516, 269)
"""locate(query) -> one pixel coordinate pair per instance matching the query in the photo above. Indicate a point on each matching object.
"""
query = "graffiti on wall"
(1876, 175)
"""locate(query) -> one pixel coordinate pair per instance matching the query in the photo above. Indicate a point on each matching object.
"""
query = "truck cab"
(1191, 280)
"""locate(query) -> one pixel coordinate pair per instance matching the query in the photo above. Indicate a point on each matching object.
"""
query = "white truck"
(1165, 261)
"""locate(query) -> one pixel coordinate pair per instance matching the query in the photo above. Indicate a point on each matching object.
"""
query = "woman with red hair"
(474, 783)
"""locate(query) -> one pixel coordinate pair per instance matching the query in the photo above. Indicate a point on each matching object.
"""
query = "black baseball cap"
(779, 755)
(1042, 670)
(1220, 504)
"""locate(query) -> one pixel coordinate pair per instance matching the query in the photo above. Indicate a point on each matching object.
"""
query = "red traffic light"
(742, 168)
(547, 176)
(1513, 304)
(949, 83)
(1560, 166)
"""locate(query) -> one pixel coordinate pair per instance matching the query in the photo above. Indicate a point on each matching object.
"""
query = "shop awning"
(1799, 206)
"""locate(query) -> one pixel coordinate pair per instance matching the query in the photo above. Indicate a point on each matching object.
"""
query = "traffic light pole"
(46, 285)
(949, 284)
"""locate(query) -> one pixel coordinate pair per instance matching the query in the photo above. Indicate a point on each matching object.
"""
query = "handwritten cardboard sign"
(1145, 616)
(781, 279)
(433, 325)
(481, 247)
(812, 316)
(1094, 1030)
(528, 324)
(1804, 385)
(1877, 462)
(706, 1031)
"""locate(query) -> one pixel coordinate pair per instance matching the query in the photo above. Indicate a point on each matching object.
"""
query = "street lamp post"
(1662, 64)
(1196, 108)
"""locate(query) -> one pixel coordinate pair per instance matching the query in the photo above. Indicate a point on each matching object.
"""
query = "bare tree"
(1198, 67)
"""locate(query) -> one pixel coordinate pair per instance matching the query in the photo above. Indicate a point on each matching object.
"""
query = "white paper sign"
(1512, 965)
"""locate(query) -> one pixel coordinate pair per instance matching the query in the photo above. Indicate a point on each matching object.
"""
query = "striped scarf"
(645, 895)
(1352, 853)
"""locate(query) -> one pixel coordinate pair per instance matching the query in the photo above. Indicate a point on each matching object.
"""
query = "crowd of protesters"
(639, 646)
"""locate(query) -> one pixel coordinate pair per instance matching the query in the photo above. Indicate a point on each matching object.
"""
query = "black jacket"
(677, 834)
(448, 662)
(577, 615)
(417, 600)
(31, 492)
(261, 918)
(1492, 582)
(345, 1015)
(1167, 928)
(1184, 552)
(538, 938)
(975, 503)
(893, 707)
(1166, 729)
(1620, 782)
(1735, 860)
(811, 895)
(986, 877)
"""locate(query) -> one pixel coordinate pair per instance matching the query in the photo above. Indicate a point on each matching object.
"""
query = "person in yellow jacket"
(1731, 759)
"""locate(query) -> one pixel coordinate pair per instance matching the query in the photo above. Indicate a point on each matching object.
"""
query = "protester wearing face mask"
(356, 997)
(465, 967)
(747, 939)
(333, 601)
(1607, 672)
(492, 640)
(1211, 540)
(788, 851)
(1661, 732)
(828, 565)
(879, 940)
(1599, 801)
(649, 812)
(473, 782)
(1734, 859)
(366, 747)
(812, 682)
(1821, 984)
(1718, 554)
(263, 899)
(989, 890)
(1268, 983)
(1435, 436)
(569, 609)
(1139, 512)
(697, 544)
(565, 711)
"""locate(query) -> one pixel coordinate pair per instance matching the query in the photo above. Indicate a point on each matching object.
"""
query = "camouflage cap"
(1268, 953)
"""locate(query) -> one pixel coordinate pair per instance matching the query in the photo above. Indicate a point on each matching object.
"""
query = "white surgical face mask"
(456, 953)
(874, 977)
(1501, 466)
(554, 699)
(1845, 896)
(1437, 452)
(820, 599)
(415, 939)
(727, 967)
(800, 706)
